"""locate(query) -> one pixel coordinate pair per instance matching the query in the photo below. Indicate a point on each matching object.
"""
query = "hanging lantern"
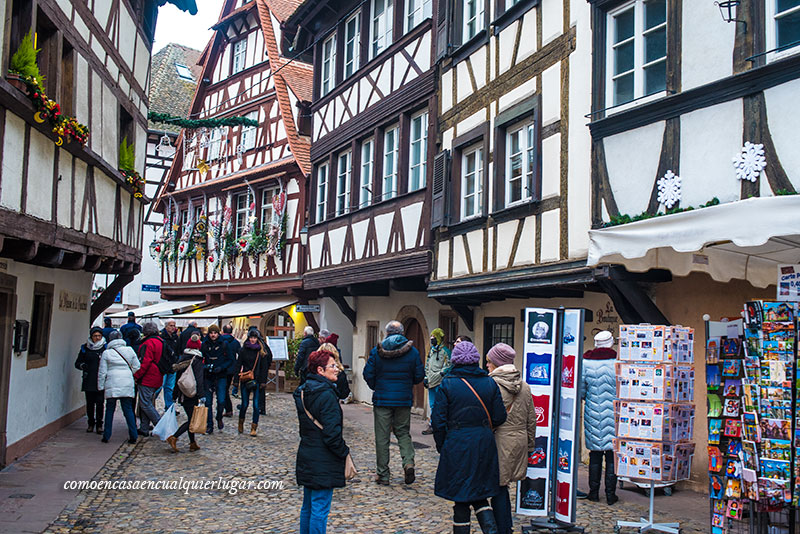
(155, 249)
(165, 148)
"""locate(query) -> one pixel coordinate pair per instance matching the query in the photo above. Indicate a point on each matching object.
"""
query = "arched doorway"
(278, 324)
(416, 330)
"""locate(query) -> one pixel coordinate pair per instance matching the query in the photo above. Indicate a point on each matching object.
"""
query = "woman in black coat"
(253, 356)
(322, 452)
(463, 421)
(88, 361)
(186, 365)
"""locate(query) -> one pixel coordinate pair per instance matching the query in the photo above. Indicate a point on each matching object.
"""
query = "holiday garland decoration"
(625, 218)
(193, 124)
(750, 161)
(23, 64)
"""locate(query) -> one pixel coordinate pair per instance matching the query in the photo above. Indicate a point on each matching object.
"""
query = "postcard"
(749, 456)
(732, 407)
(734, 448)
(714, 459)
(730, 368)
(712, 350)
(538, 369)
(777, 311)
(714, 431)
(733, 468)
(776, 429)
(731, 347)
(733, 387)
(750, 427)
(713, 378)
(733, 488)
(733, 428)
(714, 405)
(775, 469)
(776, 449)
(715, 487)
(734, 510)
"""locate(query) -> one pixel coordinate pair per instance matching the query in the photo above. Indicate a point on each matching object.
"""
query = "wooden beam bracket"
(345, 308)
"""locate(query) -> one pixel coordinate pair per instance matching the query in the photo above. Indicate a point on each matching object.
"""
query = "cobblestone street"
(362, 506)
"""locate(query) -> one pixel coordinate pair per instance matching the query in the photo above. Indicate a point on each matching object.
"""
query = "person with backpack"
(88, 361)
(191, 361)
(149, 377)
(115, 373)
(251, 370)
(131, 332)
(218, 362)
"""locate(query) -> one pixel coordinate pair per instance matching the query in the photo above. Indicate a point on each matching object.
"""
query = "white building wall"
(41, 396)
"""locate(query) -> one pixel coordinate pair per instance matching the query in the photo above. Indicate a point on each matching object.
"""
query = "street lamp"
(155, 249)
(729, 9)
(304, 235)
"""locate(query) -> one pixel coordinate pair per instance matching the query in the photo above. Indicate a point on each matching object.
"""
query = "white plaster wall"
(38, 397)
(551, 166)
(707, 44)
(13, 143)
(551, 94)
(40, 176)
(82, 92)
(332, 319)
(446, 92)
(710, 137)
(528, 46)
(552, 20)
(526, 251)
(64, 207)
(517, 94)
(551, 236)
(506, 41)
(442, 259)
(632, 161)
(783, 115)
(105, 191)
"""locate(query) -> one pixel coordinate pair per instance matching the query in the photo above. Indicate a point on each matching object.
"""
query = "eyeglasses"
(332, 366)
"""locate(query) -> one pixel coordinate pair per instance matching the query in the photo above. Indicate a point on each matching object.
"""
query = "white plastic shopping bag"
(168, 424)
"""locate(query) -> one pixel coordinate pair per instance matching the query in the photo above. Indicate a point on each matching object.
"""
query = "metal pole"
(555, 376)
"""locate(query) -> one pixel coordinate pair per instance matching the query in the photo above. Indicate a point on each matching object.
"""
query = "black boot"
(611, 486)
(461, 529)
(486, 521)
(595, 473)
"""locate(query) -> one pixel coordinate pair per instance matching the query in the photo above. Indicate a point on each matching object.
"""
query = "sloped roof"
(169, 93)
(283, 9)
(300, 77)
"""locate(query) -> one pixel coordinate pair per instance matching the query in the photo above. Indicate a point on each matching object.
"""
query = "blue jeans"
(127, 411)
(314, 513)
(431, 399)
(168, 386)
(220, 385)
(501, 506)
(246, 393)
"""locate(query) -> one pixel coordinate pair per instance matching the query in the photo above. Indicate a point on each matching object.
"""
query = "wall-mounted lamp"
(729, 9)
(304, 235)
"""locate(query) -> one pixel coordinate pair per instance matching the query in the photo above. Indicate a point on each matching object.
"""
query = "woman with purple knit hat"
(516, 438)
(467, 409)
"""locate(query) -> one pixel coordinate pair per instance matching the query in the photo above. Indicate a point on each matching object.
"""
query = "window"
(215, 144)
(367, 155)
(126, 128)
(267, 212)
(520, 162)
(352, 44)
(239, 53)
(328, 77)
(390, 148)
(183, 72)
(417, 11)
(322, 191)
(248, 139)
(418, 152)
(47, 41)
(472, 182)
(343, 184)
(497, 330)
(637, 59)
(373, 328)
(783, 30)
(381, 36)
(473, 19)
(241, 204)
(280, 324)
(42, 312)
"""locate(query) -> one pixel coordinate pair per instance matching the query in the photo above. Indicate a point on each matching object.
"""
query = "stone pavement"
(362, 506)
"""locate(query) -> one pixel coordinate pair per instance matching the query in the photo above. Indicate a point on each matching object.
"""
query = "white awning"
(159, 309)
(745, 240)
(255, 305)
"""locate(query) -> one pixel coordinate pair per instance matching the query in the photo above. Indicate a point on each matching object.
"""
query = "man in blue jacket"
(394, 366)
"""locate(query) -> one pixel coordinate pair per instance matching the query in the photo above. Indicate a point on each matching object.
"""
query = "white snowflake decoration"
(669, 189)
(750, 162)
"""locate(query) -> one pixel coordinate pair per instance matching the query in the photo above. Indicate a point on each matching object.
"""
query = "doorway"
(414, 333)
(8, 300)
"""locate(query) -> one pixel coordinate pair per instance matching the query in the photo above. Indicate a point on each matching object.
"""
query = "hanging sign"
(789, 283)
(279, 348)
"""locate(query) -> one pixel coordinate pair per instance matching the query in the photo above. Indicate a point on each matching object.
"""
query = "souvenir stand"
(654, 410)
(553, 355)
(759, 478)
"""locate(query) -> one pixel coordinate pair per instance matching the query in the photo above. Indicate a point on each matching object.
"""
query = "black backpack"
(167, 359)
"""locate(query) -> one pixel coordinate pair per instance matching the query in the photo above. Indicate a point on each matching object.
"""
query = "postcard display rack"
(754, 422)
(654, 410)
(553, 355)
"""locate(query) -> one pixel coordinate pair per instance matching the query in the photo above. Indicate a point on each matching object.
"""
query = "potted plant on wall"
(23, 64)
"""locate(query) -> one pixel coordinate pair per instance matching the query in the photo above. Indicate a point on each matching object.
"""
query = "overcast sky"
(176, 26)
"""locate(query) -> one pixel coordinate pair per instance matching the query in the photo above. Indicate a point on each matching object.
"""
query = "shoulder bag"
(126, 361)
(187, 382)
(350, 470)
(489, 417)
(247, 376)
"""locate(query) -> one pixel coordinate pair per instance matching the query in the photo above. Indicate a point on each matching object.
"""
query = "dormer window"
(184, 73)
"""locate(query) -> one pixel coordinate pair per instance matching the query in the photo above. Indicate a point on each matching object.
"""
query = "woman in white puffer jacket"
(600, 391)
(115, 375)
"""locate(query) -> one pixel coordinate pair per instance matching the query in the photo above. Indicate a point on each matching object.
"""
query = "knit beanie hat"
(501, 354)
(333, 339)
(194, 342)
(438, 334)
(465, 353)
(95, 329)
(604, 339)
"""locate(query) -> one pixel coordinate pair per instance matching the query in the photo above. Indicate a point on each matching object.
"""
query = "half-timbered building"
(373, 115)
(690, 112)
(66, 211)
(235, 195)
(511, 181)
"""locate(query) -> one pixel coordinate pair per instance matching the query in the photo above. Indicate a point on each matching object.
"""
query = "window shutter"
(441, 171)
(442, 28)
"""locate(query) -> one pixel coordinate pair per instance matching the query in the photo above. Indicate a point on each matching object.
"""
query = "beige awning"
(159, 309)
(744, 240)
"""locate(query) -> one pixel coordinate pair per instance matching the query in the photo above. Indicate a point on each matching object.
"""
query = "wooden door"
(414, 333)
(8, 286)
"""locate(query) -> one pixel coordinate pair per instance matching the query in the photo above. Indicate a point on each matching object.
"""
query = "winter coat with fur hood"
(517, 436)
(599, 391)
(115, 373)
(393, 367)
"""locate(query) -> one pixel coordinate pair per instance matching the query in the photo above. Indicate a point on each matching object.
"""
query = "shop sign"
(69, 301)
(307, 308)
(789, 283)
